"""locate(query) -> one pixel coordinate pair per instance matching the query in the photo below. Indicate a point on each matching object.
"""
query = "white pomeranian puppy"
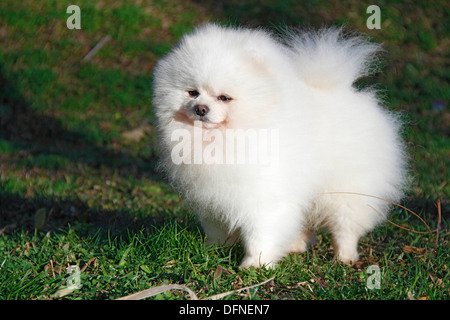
(269, 141)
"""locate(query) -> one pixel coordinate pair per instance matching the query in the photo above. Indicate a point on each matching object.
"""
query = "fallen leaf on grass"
(437, 282)
(218, 272)
(359, 265)
(137, 134)
(237, 284)
(90, 261)
(410, 296)
(409, 249)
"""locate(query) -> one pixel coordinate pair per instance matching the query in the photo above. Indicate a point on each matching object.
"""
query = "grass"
(34, 266)
(78, 184)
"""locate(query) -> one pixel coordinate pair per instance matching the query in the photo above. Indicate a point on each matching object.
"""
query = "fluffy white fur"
(333, 139)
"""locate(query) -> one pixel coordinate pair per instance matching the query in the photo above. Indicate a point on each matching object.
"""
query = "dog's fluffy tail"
(328, 59)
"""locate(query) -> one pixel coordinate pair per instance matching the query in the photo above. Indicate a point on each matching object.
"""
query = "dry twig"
(98, 46)
(157, 290)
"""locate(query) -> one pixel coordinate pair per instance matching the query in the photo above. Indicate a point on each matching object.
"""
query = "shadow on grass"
(271, 13)
(20, 213)
(30, 138)
(35, 134)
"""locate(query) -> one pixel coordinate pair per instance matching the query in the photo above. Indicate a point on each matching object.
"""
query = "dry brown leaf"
(237, 284)
(170, 264)
(90, 261)
(137, 134)
(218, 272)
(437, 282)
(410, 249)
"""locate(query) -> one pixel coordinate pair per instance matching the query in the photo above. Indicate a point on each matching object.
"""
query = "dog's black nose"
(201, 110)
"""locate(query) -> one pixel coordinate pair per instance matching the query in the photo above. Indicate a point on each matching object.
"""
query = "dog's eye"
(193, 93)
(224, 98)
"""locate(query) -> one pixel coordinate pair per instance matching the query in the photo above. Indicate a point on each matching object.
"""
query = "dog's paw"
(248, 262)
